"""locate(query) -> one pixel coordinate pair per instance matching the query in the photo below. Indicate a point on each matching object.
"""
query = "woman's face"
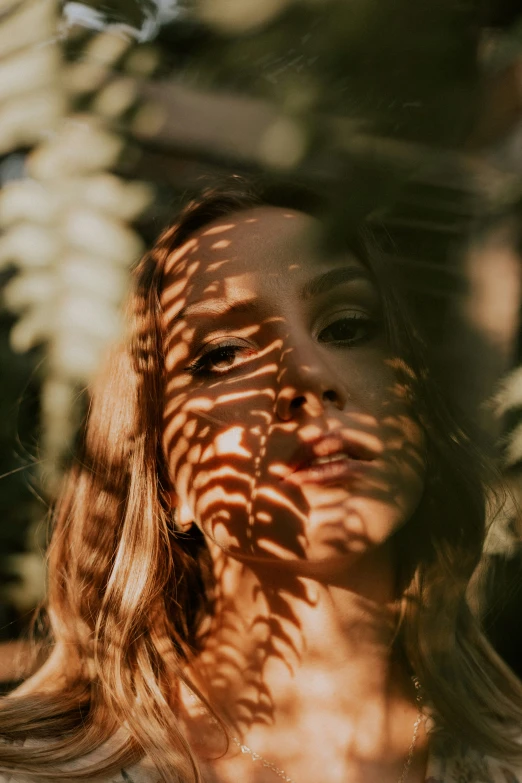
(286, 431)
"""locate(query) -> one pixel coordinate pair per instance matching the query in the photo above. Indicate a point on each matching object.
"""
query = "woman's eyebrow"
(328, 280)
(318, 285)
(215, 307)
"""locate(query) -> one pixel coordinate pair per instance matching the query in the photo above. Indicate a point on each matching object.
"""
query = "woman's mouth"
(328, 468)
(331, 458)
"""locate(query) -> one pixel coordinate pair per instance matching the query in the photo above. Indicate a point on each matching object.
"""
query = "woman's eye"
(348, 330)
(219, 360)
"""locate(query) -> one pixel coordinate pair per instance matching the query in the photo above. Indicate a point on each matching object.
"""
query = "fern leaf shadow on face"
(271, 350)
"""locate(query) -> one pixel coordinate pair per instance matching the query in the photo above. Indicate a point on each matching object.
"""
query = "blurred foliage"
(398, 69)
(66, 223)
(18, 428)
(66, 227)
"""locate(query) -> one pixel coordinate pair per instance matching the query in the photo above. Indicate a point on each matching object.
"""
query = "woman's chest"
(441, 763)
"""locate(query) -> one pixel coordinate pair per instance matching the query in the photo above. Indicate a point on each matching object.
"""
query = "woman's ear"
(180, 519)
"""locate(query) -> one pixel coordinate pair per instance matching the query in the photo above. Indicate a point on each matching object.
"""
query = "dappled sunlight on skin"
(252, 380)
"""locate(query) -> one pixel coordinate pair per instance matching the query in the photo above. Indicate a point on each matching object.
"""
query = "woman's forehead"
(245, 224)
(259, 238)
(259, 253)
(264, 239)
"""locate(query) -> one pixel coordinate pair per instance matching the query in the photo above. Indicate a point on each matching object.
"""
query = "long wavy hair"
(127, 593)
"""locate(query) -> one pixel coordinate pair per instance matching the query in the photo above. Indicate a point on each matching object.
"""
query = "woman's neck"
(282, 647)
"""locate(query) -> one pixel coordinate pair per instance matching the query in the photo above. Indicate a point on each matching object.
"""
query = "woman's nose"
(307, 385)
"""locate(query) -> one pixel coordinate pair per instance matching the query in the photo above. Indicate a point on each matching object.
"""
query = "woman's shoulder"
(141, 773)
(451, 764)
(475, 768)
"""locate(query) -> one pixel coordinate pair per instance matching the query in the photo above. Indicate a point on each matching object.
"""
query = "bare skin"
(292, 446)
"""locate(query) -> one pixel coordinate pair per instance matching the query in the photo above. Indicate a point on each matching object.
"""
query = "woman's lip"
(329, 445)
(327, 472)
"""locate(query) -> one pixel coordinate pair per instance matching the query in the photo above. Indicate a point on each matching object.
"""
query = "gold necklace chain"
(405, 770)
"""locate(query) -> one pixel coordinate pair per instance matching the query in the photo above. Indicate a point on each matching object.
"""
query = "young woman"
(259, 565)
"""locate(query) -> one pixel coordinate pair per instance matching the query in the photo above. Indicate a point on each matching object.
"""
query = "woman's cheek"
(214, 468)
